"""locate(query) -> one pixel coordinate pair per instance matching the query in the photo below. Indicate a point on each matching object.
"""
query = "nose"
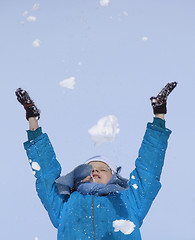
(95, 170)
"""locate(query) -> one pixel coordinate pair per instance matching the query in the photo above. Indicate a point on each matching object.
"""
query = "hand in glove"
(159, 102)
(27, 102)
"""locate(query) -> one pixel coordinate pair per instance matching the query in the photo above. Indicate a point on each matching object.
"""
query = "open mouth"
(96, 176)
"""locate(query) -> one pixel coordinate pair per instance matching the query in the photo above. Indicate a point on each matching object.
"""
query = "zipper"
(93, 217)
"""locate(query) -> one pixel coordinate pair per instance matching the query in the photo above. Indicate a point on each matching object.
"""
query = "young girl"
(94, 201)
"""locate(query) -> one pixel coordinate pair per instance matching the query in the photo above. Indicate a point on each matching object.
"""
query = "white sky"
(120, 55)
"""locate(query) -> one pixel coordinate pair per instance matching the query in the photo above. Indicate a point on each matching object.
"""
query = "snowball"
(105, 130)
(135, 186)
(36, 238)
(36, 43)
(31, 18)
(104, 3)
(35, 166)
(125, 226)
(133, 177)
(144, 39)
(68, 83)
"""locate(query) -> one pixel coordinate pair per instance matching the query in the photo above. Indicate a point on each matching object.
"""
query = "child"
(94, 201)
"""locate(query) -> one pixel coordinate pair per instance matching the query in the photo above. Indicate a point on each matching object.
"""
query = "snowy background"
(81, 61)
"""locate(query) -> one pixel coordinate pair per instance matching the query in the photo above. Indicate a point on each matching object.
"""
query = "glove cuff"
(159, 105)
(32, 111)
(162, 109)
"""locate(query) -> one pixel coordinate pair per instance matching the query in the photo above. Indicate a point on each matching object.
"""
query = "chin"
(98, 181)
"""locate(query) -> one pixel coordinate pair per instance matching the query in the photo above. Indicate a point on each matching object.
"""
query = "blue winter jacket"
(117, 215)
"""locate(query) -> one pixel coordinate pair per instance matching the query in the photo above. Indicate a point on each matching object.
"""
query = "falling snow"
(31, 18)
(25, 13)
(125, 13)
(36, 7)
(104, 3)
(36, 43)
(68, 83)
(144, 39)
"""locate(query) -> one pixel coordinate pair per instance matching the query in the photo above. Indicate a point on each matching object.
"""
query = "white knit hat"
(100, 158)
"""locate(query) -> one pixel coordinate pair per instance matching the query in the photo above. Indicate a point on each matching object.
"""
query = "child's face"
(101, 173)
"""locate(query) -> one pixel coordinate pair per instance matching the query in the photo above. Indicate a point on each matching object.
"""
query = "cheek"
(106, 177)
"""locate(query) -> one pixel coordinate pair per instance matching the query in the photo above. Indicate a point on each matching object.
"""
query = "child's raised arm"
(145, 179)
(42, 159)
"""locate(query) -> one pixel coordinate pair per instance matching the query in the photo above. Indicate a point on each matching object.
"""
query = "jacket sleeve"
(46, 169)
(145, 179)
